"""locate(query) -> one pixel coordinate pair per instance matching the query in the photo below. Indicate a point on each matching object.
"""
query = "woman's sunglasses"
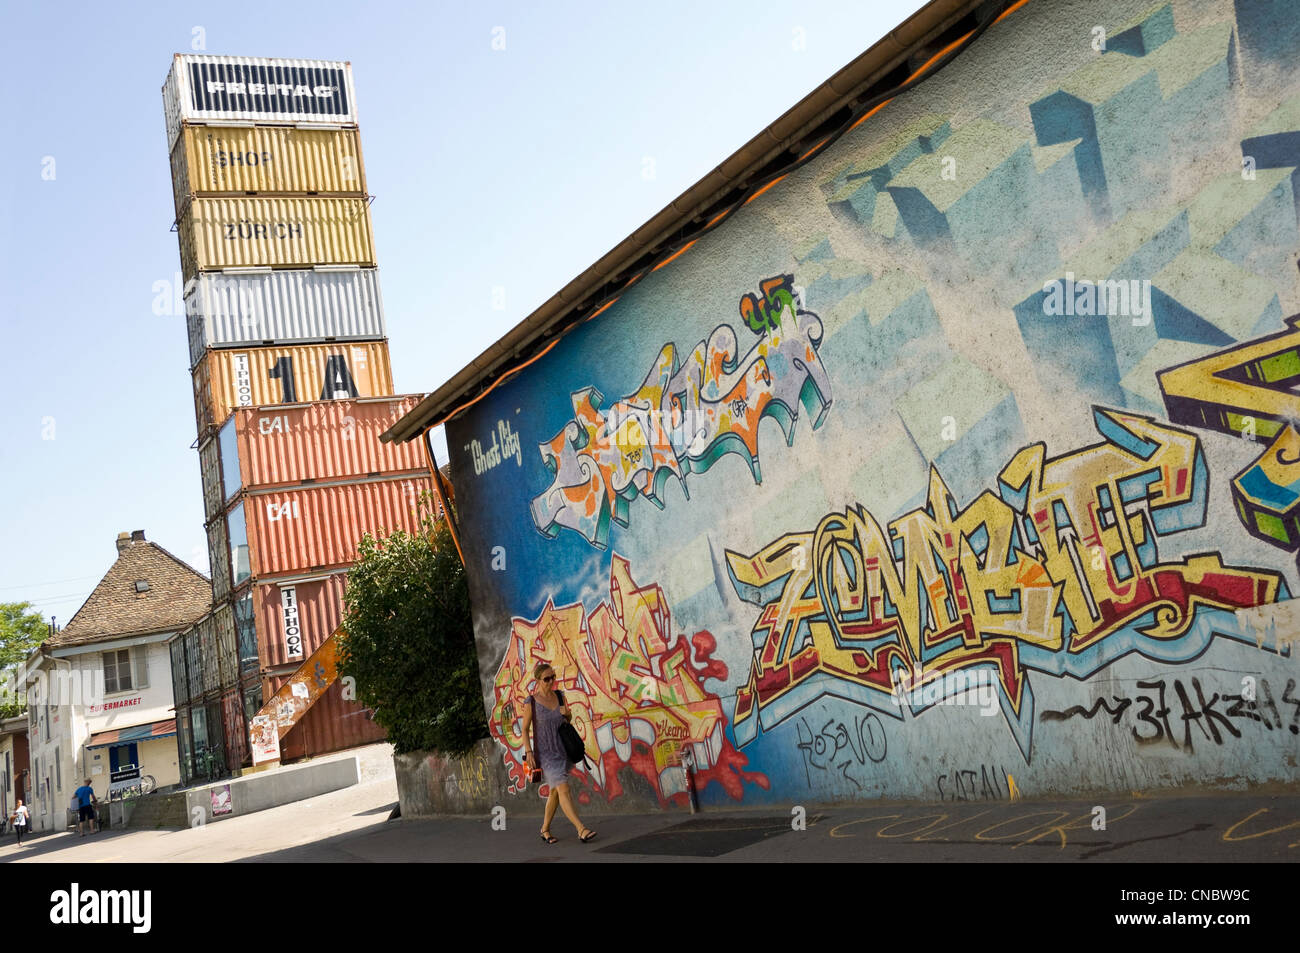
(549, 678)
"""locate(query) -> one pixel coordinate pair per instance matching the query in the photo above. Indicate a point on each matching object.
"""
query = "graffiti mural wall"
(964, 460)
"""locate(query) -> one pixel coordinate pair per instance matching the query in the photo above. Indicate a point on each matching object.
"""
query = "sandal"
(546, 836)
(587, 836)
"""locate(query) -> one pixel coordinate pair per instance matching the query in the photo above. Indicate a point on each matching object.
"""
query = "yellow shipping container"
(266, 159)
(252, 377)
(274, 232)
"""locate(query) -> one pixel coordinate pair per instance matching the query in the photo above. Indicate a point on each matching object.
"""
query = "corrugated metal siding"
(332, 724)
(338, 440)
(227, 658)
(219, 559)
(184, 743)
(320, 608)
(210, 474)
(187, 96)
(250, 662)
(225, 380)
(302, 530)
(274, 233)
(193, 664)
(232, 715)
(180, 678)
(279, 307)
(208, 654)
(266, 159)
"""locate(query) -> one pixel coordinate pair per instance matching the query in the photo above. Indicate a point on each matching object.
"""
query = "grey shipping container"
(205, 88)
(232, 309)
(210, 473)
(219, 559)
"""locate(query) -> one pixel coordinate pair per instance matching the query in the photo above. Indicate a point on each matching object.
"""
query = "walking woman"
(21, 818)
(545, 713)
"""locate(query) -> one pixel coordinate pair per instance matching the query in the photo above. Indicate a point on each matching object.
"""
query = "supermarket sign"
(132, 702)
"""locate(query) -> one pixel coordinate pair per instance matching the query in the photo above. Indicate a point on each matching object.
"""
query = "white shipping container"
(228, 309)
(204, 88)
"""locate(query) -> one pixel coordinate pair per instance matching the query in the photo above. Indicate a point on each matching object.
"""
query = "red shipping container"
(298, 615)
(232, 713)
(284, 445)
(310, 529)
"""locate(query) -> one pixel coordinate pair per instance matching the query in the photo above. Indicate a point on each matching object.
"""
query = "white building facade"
(99, 691)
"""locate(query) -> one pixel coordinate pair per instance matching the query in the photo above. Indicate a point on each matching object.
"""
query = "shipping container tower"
(292, 387)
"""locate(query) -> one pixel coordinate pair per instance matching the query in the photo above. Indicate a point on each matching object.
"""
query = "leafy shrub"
(408, 641)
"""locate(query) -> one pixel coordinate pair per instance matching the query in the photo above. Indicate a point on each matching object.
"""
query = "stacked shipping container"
(292, 387)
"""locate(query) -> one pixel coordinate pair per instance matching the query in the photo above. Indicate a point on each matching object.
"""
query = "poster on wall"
(264, 739)
(221, 802)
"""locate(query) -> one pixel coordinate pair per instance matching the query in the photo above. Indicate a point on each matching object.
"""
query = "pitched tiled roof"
(177, 595)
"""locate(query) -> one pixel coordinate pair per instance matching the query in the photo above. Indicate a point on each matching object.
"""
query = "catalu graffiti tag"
(684, 417)
(635, 692)
(1058, 572)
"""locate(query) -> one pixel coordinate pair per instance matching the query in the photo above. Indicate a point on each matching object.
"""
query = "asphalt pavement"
(353, 825)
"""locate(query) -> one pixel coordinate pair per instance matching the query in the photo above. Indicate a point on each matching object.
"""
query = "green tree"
(21, 630)
(408, 640)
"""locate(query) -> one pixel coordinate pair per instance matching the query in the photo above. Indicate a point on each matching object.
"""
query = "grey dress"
(550, 752)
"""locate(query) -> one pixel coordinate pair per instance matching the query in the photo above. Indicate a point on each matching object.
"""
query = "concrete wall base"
(430, 784)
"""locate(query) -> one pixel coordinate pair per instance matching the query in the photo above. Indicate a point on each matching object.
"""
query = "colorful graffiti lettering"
(1058, 572)
(636, 699)
(1246, 390)
(764, 313)
(684, 417)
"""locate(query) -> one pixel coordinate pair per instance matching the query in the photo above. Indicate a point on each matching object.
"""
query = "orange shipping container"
(310, 529)
(250, 377)
(319, 442)
(247, 232)
(332, 724)
(266, 159)
(294, 618)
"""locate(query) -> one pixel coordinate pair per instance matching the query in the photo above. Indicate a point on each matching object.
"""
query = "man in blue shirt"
(86, 807)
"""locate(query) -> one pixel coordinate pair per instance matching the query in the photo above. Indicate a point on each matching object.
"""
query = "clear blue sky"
(512, 168)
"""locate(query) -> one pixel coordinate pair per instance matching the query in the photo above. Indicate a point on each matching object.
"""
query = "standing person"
(21, 819)
(546, 711)
(85, 807)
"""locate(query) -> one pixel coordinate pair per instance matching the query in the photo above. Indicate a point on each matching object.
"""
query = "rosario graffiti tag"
(842, 745)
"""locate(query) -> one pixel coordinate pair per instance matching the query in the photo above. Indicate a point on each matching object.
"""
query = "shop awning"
(122, 736)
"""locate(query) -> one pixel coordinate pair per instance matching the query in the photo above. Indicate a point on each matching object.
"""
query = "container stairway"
(294, 699)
